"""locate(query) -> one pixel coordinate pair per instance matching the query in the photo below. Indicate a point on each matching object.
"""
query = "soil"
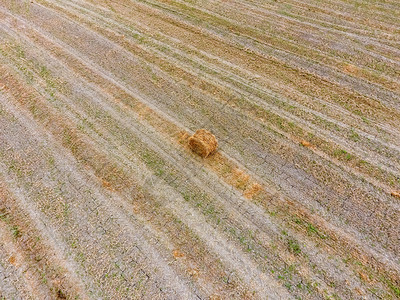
(102, 197)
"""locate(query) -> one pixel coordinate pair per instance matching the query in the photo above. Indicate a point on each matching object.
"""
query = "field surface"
(101, 198)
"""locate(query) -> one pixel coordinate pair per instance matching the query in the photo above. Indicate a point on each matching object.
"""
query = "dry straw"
(203, 143)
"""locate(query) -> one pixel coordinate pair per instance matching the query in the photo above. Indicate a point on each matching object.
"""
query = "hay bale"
(203, 143)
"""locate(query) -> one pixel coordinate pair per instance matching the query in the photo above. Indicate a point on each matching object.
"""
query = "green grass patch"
(294, 246)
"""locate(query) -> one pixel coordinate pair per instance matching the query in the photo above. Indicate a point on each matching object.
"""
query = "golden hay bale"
(203, 143)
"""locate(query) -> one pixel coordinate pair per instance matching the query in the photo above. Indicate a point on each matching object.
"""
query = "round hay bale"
(203, 143)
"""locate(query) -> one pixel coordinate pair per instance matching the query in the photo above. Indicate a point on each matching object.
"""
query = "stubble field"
(101, 198)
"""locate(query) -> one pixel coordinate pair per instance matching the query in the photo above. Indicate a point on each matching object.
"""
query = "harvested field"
(102, 197)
